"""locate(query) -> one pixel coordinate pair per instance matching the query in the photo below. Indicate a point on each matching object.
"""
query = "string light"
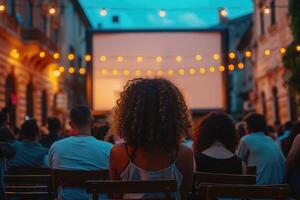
(120, 59)
(223, 12)
(158, 59)
(52, 11)
(2, 7)
(282, 50)
(216, 56)
(160, 72)
(82, 71)
(198, 57)
(139, 59)
(126, 72)
(181, 71)
(103, 58)
(192, 71)
(162, 13)
(267, 52)
(42, 54)
(71, 56)
(71, 70)
(56, 55)
(115, 72)
(178, 58)
(88, 57)
(221, 68)
(61, 69)
(231, 55)
(103, 12)
(241, 65)
(298, 47)
(231, 67)
(56, 73)
(14, 53)
(170, 72)
(104, 72)
(149, 73)
(202, 70)
(138, 72)
(212, 69)
(248, 54)
(266, 10)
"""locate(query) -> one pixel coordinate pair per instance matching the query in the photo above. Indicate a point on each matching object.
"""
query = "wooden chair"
(28, 186)
(248, 191)
(28, 171)
(251, 170)
(127, 187)
(75, 178)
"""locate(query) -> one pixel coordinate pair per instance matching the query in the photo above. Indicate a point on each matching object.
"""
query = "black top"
(209, 164)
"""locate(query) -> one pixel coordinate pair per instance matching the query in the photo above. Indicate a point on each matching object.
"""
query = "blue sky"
(180, 13)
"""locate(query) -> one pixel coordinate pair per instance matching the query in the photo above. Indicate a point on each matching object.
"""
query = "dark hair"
(215, 126)
(151, 112)
(81, 115)
(100, 132)
(30, 129)
(6, 135)
(54, 124)
(256, 122)
(295, 130)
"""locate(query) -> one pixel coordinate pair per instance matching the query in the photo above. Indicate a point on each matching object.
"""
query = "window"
(273, 12)
(11, 99)
(29, 100)
(262, 22)
(28, 14)
(44, 107)
(263, 103)
(276, 105)
(11, 7)
(44, 24)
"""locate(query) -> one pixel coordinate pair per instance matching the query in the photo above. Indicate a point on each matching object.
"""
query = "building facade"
(29, 38)
(271, 95)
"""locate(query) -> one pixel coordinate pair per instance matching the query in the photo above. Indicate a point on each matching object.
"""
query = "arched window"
(11, 7)
(11, 99)
(28, 21)
(276, 105)
(273, 12)
(44, 106)
(29, 100)
(263, 103)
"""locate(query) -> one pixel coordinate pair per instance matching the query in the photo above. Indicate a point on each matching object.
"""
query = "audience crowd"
(152, 136)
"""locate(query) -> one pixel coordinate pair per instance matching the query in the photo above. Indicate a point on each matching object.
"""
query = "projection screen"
(177, 56)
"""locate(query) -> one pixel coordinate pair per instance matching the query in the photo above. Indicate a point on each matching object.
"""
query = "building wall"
(269, 71)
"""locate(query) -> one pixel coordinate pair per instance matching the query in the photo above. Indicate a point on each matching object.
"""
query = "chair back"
(127, 187)
(206, 178)
(248, 191)
(28, 186)
(251, 170)
(28, 171)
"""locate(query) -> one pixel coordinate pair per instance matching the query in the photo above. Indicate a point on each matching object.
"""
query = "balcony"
(35, 35)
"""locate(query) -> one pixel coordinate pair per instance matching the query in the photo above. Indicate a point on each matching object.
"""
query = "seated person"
(29, 152)
(260, 150)
(55, 129)
(79, 152)
(152, 117)
(215, 143)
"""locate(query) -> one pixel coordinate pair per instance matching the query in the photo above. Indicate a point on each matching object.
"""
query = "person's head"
(54, 125)
(6, 135)
(81, 118)
(255, 123)
(215, 127)
(241, 129)
(30, 130)
(288, 126)
(151, 112)
(100, 132)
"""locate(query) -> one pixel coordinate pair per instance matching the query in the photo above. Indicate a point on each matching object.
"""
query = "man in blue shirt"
(29, 153)
(257, 149)
(79, 152)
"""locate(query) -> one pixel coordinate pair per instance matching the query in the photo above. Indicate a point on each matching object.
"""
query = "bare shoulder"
(118, 149)
(185, 154)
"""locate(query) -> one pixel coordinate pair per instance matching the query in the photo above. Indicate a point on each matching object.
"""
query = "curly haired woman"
(152, 117)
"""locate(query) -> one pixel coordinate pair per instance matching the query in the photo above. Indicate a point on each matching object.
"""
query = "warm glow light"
(221, 68)
(158, 59)
(115, 72)
(202, 70)
(56, 56)
(298, 47)
(212, 69)
(231, 55)
(104, 72)
(71, 56)
(192, 71)
(88, 57)
(216, 56)
(181, 71)
(170, 72)
(162, 13)
(198, 57)
(2, 7)
(103, 58)
(71, 70)
(223, 12)
(126, 72)
(149, 73)
(138, 72)
(160, 72)
(248, 54)
(61, 69)
(178, 58)
(231, 67)
(42, 54)
(282, 50)
(14, 53)
(52, 11)
(82, 71)
(103, 12)
(139, 59)
(267, 52)
(241, 66)
(56, 73)
(120, 59)
(267, 10)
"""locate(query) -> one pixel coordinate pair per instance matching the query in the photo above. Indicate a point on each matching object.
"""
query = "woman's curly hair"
(151, 112)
